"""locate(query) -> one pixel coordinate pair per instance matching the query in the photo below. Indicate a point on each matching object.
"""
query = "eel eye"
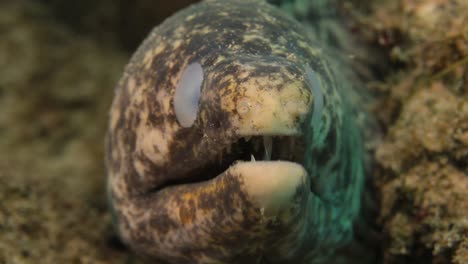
(243, 106)
(187, 95)
(316, 88)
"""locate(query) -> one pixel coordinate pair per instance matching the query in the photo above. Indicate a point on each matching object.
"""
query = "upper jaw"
(270, 111)
(275, 123)
(276, 147)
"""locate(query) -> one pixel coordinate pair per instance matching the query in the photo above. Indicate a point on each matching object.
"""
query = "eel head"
(233, 186)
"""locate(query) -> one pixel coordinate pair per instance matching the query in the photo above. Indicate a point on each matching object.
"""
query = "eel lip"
(271, 185)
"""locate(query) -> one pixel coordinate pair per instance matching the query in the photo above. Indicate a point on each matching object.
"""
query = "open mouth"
(245, 149)
(248, 149)
(266, 148)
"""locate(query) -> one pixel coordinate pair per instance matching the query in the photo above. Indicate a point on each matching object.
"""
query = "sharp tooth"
(267, 144)
(252, 158)
(247, 138)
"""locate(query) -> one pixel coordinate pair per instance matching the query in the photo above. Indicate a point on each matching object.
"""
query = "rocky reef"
(60, 64)
(421, 104)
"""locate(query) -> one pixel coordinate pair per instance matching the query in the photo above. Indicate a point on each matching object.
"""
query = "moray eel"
(230, 141)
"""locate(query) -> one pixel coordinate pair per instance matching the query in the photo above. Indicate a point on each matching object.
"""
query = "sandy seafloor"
(59, 63)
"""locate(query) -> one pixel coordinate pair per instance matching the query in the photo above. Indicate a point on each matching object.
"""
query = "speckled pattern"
(247, 49)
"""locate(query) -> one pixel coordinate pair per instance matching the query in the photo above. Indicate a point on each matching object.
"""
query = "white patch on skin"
(152, 142)
(189, 18)
(207, 29)
(187, 95)
(219, 59)
(115, 114)
(177, 44)
(247, 38)
(179, 31)
(132, 87)
(163, 99)
(148, 139)
(139, 167)
(150, 55)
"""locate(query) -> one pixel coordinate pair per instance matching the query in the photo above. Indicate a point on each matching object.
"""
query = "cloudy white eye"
(318, 95)
(243, 106)
(187, 95)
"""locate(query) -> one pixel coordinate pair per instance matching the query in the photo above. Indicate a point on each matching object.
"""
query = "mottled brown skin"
(239, 44)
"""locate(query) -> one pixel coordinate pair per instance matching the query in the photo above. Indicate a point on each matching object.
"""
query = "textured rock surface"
(55, 89)
(424, 202)
(422, 104)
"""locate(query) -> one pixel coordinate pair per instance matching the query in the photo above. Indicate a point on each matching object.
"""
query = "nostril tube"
(243, 106)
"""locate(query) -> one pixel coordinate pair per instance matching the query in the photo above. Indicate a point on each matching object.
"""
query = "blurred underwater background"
(60, 62)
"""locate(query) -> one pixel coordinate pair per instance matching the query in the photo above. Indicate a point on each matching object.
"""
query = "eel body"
(258, 160)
